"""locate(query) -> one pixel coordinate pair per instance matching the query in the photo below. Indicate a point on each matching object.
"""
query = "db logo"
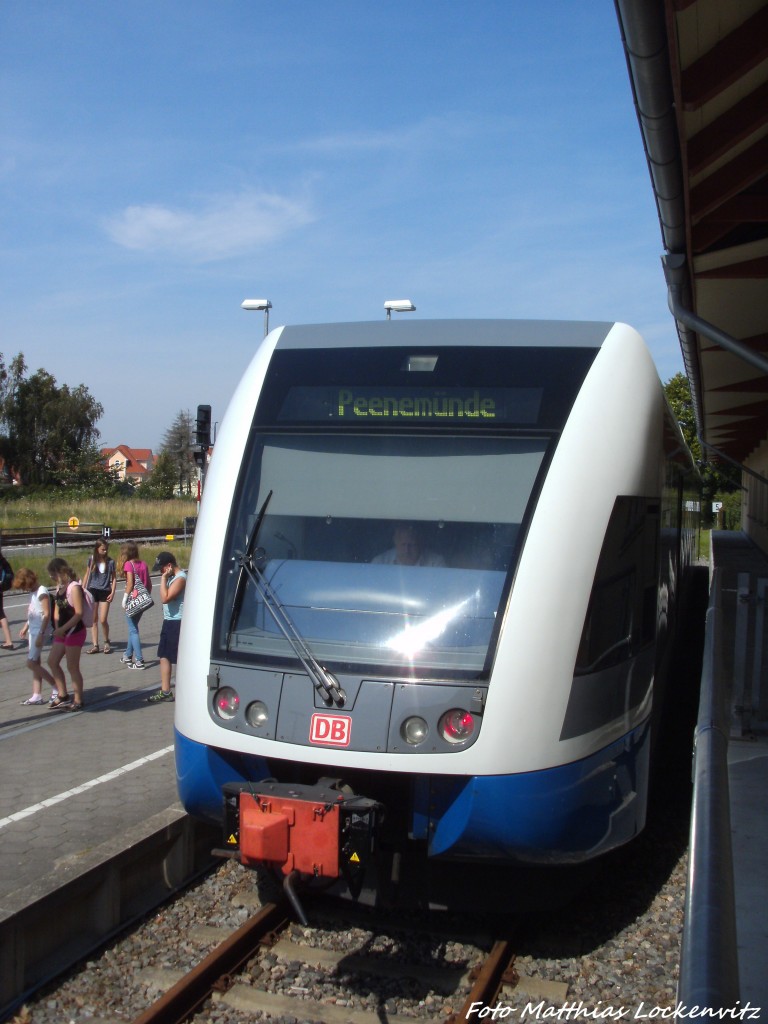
(333, 730)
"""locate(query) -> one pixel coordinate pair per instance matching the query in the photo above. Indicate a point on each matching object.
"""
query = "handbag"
(139, 598)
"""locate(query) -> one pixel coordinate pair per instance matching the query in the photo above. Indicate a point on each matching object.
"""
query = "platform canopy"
(699, 73)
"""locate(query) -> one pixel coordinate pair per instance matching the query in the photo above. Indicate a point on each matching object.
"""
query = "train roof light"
(420, 364)
(399, 306)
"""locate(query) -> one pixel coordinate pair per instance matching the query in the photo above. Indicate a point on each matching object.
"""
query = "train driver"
(407, 549)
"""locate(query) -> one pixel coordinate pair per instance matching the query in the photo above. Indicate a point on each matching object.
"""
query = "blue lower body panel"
(202, 771)
(559, 815)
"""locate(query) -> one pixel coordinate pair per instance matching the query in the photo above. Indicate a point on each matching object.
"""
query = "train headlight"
(414, 730)
(226, 702)
(256, 714)
(456, 725)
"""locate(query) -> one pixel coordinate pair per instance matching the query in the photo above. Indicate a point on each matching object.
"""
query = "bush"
(730, 514)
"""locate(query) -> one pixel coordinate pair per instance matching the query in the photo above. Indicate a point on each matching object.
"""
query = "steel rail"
(17, 538)
(191, 991)
(495, 970)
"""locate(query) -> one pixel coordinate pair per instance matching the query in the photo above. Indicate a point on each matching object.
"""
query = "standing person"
(34, 629)
(173, 580)
(68, 635)
(6, 582)
(132, 566)
(101, 580)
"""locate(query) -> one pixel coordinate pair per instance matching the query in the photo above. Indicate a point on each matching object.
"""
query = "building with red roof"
(131, 464)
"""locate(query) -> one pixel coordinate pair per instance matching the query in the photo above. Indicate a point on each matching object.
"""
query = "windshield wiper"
(244, 558)
(324, 681)
(251, 563)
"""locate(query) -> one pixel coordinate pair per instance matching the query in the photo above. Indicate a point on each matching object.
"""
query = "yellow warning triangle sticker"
(354, 859)
(232, 841)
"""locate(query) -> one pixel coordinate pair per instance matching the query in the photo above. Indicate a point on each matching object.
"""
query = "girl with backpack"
(68, 635)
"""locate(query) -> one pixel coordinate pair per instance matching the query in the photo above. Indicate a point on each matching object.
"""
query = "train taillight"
(456, 725)
(226, 702)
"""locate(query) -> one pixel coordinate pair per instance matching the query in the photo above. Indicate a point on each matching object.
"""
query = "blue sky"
(162, 160)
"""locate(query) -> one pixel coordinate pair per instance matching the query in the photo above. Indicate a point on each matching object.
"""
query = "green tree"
(84, 471)
(49, 429)
(177, 445)
(717, 479)
(9, 378)
(678, 392)
(162, 481)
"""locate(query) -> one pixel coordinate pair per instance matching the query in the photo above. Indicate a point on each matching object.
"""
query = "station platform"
(73, 781)
(743, 657)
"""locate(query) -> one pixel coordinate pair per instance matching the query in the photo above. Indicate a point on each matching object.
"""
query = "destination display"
(404, 405)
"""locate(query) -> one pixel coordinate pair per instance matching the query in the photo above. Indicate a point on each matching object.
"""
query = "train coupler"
(319, 831)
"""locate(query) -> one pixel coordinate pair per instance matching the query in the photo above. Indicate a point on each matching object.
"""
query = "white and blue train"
(431, 591)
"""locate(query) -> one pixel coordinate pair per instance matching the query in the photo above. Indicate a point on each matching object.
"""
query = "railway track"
(231, 973)
(614, 943)
(32, 538)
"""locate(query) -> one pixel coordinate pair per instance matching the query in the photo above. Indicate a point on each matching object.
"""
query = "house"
(131, 464)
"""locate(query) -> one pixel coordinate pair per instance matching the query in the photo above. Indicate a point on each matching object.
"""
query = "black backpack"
(6, 574)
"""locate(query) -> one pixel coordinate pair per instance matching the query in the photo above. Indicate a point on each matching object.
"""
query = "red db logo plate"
(331, 730)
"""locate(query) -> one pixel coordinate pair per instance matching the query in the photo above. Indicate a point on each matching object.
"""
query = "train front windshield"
(378, 527)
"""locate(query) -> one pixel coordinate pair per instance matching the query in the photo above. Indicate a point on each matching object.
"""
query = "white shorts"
(34, 650)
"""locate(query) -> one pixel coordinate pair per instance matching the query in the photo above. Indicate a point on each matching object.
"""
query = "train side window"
(622, 611)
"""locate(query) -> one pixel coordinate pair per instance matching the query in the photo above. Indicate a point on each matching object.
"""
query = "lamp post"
(254, 305)
(399, 306)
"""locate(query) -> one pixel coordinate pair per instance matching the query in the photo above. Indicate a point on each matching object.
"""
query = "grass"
(704, 545)
(119, 514)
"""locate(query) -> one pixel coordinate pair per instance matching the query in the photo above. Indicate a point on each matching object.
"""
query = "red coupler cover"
(294, 835)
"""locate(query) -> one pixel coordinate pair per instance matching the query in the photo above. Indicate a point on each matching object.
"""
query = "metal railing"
(709, 969)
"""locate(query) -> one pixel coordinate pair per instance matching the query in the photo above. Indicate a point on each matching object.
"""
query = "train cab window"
(622, 612)
(323, 518)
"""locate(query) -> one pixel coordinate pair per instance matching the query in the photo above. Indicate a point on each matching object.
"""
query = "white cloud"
(224, 226)
(429, 133)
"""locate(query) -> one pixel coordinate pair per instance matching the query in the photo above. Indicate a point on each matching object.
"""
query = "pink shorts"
(76, 639)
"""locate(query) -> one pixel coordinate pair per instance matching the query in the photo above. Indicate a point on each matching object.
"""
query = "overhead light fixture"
(255, 305)
(399, 306)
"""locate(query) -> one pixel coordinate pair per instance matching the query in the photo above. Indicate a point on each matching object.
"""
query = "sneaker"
(53, 697)
(34, 699)
(160, 697)
(126, 661)
(138, 665)
(61, 702)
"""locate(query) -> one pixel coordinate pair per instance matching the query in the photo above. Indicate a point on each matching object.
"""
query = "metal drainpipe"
(733, 462)
(675, 271)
